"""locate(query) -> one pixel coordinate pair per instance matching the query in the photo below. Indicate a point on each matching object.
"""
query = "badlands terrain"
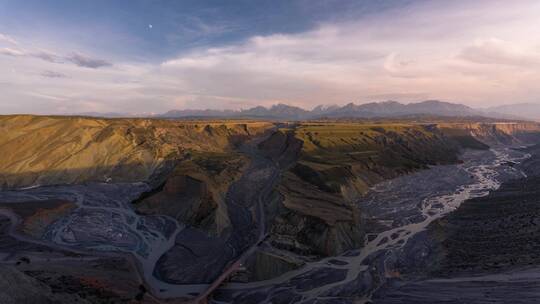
(394, 210)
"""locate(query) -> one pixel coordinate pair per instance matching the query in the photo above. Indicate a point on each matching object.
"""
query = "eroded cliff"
(326, 167)
(476, 135)
(39, 150)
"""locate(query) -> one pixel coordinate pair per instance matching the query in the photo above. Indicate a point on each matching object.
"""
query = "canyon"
(147, 210)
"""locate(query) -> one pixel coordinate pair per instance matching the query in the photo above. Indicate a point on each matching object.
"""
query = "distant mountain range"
(106, 115)
(368, 110)
(351, 110)
(279, 111)
(525, 110)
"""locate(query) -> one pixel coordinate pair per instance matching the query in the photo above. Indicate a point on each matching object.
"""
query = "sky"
(151, 56)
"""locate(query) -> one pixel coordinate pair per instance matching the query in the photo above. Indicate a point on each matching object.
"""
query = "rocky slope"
(491, 133)
(65, 150)
(18, 288)
(194, 192)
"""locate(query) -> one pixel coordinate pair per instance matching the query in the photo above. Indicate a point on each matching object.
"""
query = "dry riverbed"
(103, 221)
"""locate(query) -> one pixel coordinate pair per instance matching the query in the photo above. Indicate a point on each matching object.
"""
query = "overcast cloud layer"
(483, 53)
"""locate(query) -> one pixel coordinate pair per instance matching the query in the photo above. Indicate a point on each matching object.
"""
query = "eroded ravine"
(355, 269)
(105, 221)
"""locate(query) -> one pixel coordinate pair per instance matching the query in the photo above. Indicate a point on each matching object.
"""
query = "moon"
(150, 26)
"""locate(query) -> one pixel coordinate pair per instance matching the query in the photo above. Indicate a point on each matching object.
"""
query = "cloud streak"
(53, 74)
(76, 58)
(87, 62)
(11, 52)
(7, 39)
